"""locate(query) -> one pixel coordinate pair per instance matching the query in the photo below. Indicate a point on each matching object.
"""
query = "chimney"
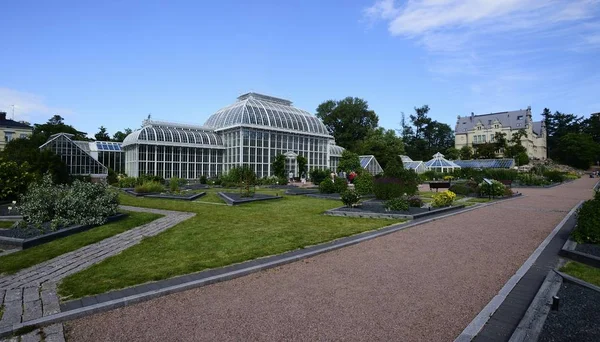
(472, 115)
(2, 116)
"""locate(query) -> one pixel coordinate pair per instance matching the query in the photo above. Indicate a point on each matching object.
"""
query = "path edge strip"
(484, 315)
(137, 298)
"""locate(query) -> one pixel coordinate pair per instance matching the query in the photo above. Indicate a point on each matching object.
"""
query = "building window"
(518, 125)
(489, 122)
(23, 136)
(520, 117)
(8, 136)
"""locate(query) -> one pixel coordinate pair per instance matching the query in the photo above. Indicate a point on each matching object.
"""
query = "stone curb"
(258, 265)
(231, 202)
(334, 212)
(578, 281)
(484, 315)
(568, 251)
(532, 323)
(543, 186)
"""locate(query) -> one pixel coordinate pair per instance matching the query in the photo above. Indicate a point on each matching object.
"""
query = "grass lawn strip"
(583, 272)
(217, 236)
(10, 264)
(6, 224)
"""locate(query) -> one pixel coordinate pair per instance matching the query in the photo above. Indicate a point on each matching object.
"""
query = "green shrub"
(150, 178)
(386, 188)
(63, 205)
(112, 177)
(415, 201)
(174, 184)
(317, 176)
(461, 189)
(127, 182)
(203, 179)
(554, 176)
(444, 198)
(431, 175)
(500, 174)
(397, 204)
(340, 185)
(14, 179)
(588, 222)
(350, 198)
(282, 181)
(363, 183)
(532, 179)
(149, 187)
(326, 186)
(494, 189)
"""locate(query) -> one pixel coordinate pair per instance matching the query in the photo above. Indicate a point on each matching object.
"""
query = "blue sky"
(111, 63)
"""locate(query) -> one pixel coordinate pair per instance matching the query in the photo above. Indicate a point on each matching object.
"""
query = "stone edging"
(543, 186)
(41, 239)
(577, 281)
(233, 271)
(486, 313)
(532, 323)
(230, 201)
(568, 251)
(181, 198)
(334, 212)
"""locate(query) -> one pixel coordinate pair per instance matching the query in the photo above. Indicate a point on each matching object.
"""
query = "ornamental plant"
(14, 179)
(386, 188)
(494, 189)
(350, 198)
(397, 204)
(363, 183)
(444, 198)
(588, 222)
(415, 201)
(327, 186)
(149, 187)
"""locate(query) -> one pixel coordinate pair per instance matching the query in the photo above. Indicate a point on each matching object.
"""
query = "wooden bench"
(508, 183)
(439, 185)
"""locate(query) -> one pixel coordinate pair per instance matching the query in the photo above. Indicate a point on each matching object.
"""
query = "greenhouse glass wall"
(77, 158)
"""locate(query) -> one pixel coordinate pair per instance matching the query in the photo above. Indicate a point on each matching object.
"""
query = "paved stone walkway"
(31, 293)
(425, 283)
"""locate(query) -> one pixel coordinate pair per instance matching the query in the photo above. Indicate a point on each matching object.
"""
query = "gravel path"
(421, 284)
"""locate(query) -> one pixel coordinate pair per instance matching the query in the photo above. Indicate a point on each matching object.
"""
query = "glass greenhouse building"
(251, 131)
(76, 155)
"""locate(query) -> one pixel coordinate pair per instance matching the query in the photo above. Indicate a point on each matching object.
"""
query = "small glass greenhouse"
(441, 164)
(370, 164)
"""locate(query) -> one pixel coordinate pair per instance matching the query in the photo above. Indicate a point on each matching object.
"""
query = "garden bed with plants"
(9, 209)
(232, 198)
(32, 235)
(302, 191)
(185, 195)
(379, 209)
(50, 211)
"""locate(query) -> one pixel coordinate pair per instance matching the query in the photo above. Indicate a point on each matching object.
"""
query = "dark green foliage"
(127, 182)
(588, 222)
(120, 136)
(461, 189)
(302, 164)
(395, 168)
(452, 153)
(466, 153)
(415, 201)
(554, 176)
(326, 186)
(112, 177)
(431, 175)
(349, 120)
(279, 166)
(203, 179)
(386, 188)
(532, 179)
(175, 183)
(350, 198)
(428, 137)
(383, 144)
(150, 178)
(102, 135)
(485, 151)
(363, 183)
(14, 179)
(577, 150)
(349, 162)
(397, 204)
(317, 175)
(39, 162)
(522, 159)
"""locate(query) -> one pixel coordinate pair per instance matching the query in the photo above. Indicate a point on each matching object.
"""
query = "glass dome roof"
(173, 133)
(253, 109)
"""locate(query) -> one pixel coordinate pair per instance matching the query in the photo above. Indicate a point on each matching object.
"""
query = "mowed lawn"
(217, 236)
(14, 262)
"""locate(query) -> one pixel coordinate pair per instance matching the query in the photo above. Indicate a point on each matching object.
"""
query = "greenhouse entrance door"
(291, 164)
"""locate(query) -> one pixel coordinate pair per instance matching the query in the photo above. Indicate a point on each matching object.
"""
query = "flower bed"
(30, 235)
(236, 198)
(377, 209)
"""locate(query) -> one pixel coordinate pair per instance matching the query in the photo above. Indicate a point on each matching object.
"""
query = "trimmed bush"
(397, 204)
(461, 189)
(340, 185)
(532, 179)
(127, 182)
(386, 188)
(203, 179)
(326, 186)
(588, 222)
(363, 183)
(443, 199)
(317, 176)
(149, 187)
(350, 198)
(554, 176)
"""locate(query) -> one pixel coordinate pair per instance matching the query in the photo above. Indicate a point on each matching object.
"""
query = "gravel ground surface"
(421, 284)
(577, 318)
(588, 248)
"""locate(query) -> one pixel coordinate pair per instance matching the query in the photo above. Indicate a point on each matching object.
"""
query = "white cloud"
(28, 107)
